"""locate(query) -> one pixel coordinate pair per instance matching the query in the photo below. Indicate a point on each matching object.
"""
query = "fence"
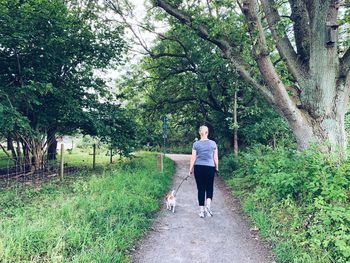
(62, 163)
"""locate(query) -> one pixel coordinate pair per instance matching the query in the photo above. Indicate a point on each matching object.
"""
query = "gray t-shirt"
(205, 152)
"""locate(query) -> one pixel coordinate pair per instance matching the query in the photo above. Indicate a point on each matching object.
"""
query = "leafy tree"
(49, 51)
(115, 126)
(185, 78)
(303, 35)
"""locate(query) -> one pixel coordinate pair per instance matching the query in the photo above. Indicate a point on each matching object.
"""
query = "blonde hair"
(203, 130)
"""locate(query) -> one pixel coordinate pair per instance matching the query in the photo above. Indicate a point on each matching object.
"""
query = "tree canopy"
(49, 53)
(299, 49)
(184, 77)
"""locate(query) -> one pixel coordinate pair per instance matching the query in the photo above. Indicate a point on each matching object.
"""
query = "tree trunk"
(51, 144)
(11, 148)
(235, 132)
(37, 154)
(274, 141)
(19, 159)
(9, 143)
(319, 118)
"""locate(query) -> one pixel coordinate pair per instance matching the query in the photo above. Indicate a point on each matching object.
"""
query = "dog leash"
(181, 184)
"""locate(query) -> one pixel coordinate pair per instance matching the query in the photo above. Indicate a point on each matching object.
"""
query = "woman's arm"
(216, 159)
(193, 159)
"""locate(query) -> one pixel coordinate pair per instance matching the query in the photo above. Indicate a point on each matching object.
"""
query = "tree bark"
(235, 131)
(51, 144)
(9, 143)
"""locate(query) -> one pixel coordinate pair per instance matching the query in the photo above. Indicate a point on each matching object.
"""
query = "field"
(87, 218)
(76, 157)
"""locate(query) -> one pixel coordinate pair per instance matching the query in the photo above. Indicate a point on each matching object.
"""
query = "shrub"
(304, 196)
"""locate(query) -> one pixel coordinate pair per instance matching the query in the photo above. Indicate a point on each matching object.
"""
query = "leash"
(181, 184)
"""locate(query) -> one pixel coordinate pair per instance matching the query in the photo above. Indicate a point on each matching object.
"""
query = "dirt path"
(185, 237)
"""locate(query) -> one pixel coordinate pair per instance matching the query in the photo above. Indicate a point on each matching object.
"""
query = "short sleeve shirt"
(205, 152)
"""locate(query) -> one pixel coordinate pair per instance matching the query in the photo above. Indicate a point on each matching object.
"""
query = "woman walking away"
(204, 163)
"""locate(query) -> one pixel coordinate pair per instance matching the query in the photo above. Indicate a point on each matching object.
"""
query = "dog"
(170, 201)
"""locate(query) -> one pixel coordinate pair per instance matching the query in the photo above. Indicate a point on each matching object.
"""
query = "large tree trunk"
(323, 97)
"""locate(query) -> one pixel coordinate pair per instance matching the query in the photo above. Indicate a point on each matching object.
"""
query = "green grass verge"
(87, 218)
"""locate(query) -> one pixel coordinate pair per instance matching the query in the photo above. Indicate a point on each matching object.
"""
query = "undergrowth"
(299, 201)
(95, 218)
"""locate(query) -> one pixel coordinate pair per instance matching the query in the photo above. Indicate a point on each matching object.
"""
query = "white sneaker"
(209, 212)
(201, 214)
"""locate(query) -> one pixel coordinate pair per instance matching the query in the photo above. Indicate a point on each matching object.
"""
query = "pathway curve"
(185, 237)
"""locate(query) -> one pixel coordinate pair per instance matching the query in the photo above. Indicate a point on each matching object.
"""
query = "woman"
(204, 163)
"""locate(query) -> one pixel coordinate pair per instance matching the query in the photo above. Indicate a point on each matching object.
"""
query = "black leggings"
(204, 176)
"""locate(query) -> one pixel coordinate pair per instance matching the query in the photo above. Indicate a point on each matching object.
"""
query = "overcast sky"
(135, 55)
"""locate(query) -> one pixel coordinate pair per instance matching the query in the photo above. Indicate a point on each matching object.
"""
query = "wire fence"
(59, 164)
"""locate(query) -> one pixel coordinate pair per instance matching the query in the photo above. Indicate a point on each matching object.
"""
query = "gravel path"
(185, 237)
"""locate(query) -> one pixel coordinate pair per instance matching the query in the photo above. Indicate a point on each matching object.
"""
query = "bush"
(304, 198)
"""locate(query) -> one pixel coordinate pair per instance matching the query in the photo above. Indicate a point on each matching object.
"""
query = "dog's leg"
(174, 208)
(167, 206)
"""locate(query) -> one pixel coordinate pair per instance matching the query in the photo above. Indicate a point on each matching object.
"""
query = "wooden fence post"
(160, 162)
(94, 157)
(111, 157)
(62, 162)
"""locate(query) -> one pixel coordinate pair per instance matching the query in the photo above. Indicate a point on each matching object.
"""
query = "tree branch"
(345, 63)
(160, 55)
(201, 30)
(300, 17)
(225, 47)
(284, 47)
(282, 101)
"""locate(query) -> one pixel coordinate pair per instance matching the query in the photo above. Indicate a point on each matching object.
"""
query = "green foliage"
(89, 219)
(187, 79)
(49, 52)
(299, 201)
(114, 126)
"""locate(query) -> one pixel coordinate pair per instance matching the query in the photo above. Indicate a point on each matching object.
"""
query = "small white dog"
(170, 201)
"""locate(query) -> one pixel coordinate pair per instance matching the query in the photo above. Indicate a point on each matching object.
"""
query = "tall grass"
(96, 218)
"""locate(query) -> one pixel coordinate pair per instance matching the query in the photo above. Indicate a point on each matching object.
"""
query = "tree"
(49, 51)
(306, 36)
(183, 77)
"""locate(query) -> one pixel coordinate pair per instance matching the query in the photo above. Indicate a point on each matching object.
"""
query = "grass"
(87, 218)
(4, 160)
(83, 157)
(77, 157)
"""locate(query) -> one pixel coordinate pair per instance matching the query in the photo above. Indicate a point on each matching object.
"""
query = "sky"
(134, 55)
